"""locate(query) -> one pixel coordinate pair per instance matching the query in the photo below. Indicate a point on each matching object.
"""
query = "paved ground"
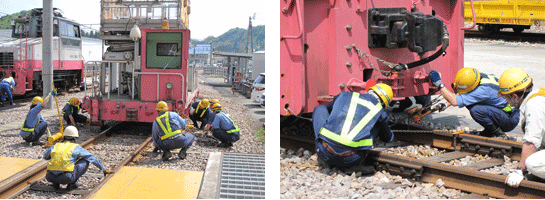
(494, 58)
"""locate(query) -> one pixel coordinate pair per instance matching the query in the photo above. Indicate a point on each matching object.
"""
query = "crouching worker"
(346, 127)
(224, 128)
(200, 111)
(68, 161)
(35, 125)
(517, 88)
(71, 110)
(167, 133)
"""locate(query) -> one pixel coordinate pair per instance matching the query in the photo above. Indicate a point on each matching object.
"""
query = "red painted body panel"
(322, 69)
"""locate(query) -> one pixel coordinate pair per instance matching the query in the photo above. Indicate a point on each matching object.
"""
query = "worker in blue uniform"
(346, 127)
(68, 161)
(224, 127)
(167, 133)
(70, 112)
(200, 111)
(35, 125)
(478, 92)
(6, 88)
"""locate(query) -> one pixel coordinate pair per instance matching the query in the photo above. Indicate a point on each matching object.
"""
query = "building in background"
(199, 54)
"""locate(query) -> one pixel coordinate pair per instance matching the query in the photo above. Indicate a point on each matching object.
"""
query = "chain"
(366, 56)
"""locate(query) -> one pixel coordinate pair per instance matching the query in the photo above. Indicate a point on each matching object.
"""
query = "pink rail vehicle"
(327, 46)
(142, 65)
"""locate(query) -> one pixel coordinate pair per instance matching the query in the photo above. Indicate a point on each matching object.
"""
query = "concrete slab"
(11, 166)
(211, 177)
(148, 183)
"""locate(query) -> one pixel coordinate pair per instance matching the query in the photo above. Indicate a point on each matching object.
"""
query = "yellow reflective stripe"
(373, 110)
(490, 80)
(350, 114)
(235, 124)
(540, 93)
(345, 141)
(198, 106)
(507, 108)
(29, 129)
(168, 130)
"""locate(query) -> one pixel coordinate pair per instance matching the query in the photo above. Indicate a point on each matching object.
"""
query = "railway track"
(456, 145)
(507, 36)
(30, 178)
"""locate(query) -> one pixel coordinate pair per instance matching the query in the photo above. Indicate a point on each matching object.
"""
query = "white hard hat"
(71, 131)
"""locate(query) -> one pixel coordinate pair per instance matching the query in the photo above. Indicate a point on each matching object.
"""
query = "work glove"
(106, 172)
(435, 77)
(190, 126)
(442, 107)
(514, 178)
(53, 93)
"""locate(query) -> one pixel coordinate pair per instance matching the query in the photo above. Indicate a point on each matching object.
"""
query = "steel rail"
(123, 163)
(20, 182)
(464, 179)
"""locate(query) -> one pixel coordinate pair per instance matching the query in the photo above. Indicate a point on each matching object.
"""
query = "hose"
(445, 43)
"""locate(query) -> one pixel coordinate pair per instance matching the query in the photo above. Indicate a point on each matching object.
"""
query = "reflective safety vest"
(60, 157)
(167, 130)
(347, 135)
(492, 81)
(28, 129)
(540, 93)
(204, 110)
(63, 111)
(234, 124)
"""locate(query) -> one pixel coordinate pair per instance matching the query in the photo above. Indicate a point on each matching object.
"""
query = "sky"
(207, 18)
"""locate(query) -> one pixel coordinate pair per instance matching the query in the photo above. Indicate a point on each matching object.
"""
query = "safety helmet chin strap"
(521, 98)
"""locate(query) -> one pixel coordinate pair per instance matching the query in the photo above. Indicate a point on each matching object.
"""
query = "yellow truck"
(494, 15)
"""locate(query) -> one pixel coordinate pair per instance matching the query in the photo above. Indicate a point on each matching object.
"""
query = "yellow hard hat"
(74, 101)
(216, 107)
(204, 103)
(71, 131)
(37, 100)
(514, 79)
(162, 106)
(466, 80)
(384, 92)
(213, 101)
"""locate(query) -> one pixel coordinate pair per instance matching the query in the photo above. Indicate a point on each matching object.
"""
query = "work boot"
(156, 150)
(37, 143)
(56, 186)
(72, 186)
(166, 155)
(486, 133)
(224, 144)
(364, 169)
(11, 103)
(182, 154)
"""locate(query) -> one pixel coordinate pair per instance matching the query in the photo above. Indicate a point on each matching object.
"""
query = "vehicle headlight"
(169, 85)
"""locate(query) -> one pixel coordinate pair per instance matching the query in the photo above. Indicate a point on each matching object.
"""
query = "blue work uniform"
(345, 143)
(5, 89)
(34, 125)
(486, 108)
(203, 115)
(174, 125)
(68, 110)
(224, 128)
(79, 158)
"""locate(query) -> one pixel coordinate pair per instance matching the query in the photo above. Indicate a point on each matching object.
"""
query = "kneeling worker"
(478, 92)
(224, 128)
(71, 110)
(200, 111)
(167, 132)
(346, 127)
(35, 125)
(517, 88)
(68, 161)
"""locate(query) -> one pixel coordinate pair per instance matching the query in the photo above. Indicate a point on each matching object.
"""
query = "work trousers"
(175, 142)
(80, 168)
(319, 118)
(223, 136)
(78, 118)
(203, 120)
(5, 91)
(38, 132)
(491, 117)
(535, 164)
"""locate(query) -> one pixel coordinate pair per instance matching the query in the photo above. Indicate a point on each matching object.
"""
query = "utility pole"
(250, 37)
(47, 50)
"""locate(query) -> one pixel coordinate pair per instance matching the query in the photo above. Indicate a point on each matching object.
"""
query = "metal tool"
(59, 134)
(417, 114)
